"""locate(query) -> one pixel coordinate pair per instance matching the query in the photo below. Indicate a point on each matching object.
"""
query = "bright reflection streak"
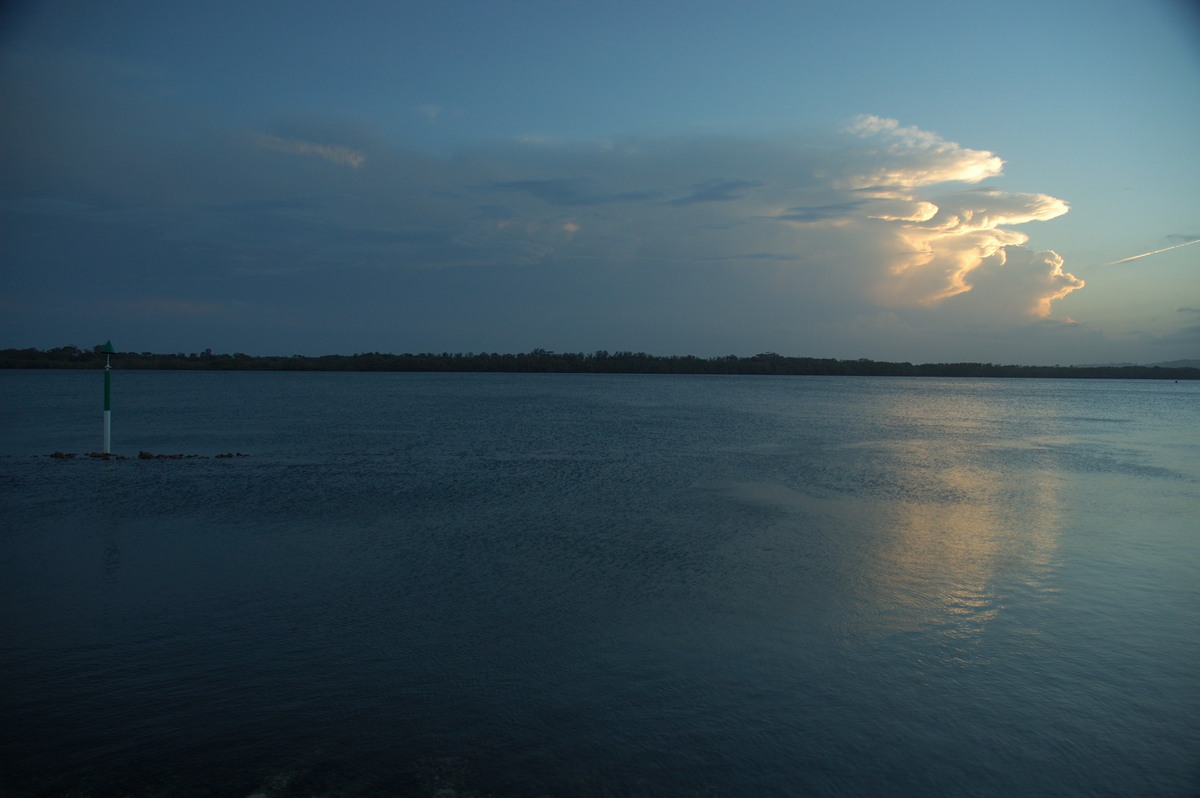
(937, 522)
(971, 527)
(948, 561)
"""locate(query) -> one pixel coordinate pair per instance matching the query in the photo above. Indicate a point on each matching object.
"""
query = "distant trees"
(547, 361)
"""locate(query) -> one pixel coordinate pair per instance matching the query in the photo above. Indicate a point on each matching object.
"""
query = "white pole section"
(108, 350)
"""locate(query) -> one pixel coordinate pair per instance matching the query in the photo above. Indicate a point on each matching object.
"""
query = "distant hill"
(1168, 364)
(1179, 364)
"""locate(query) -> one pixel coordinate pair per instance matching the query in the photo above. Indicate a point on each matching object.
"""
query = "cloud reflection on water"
(936, 529)
(962, 525)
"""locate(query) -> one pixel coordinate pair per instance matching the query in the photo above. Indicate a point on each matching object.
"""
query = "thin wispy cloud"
(334, 153)
(717, 190)
(812, 214)
(573, 191)
(431, 113)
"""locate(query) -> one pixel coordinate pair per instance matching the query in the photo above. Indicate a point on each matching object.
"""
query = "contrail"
(1155, 252)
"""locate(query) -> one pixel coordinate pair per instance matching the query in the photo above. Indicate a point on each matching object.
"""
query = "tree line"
(545, 361)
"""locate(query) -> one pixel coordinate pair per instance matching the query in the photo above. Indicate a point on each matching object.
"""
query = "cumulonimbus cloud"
(879, 216)
(873, 216)
(937, 256)
(924, 250)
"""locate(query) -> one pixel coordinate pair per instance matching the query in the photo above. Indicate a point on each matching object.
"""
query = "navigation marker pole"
(108, 351)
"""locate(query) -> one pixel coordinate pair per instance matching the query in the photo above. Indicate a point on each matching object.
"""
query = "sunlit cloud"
(891, 155)
(935, 257)
(901, 210)
(973, 211)
(1025, 280)
(922, 250)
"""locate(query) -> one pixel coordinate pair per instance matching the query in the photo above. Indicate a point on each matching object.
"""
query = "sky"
(944, 181)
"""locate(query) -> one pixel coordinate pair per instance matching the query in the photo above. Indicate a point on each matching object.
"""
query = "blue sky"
(921, 182)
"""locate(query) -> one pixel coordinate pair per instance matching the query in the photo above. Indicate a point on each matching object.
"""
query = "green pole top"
(108, 348)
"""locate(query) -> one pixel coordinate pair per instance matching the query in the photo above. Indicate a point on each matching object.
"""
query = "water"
(599, 585)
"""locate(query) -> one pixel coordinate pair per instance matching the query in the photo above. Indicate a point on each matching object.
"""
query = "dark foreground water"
(514, 585)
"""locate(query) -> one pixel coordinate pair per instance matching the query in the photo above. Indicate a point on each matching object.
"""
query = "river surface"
(522, 585)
